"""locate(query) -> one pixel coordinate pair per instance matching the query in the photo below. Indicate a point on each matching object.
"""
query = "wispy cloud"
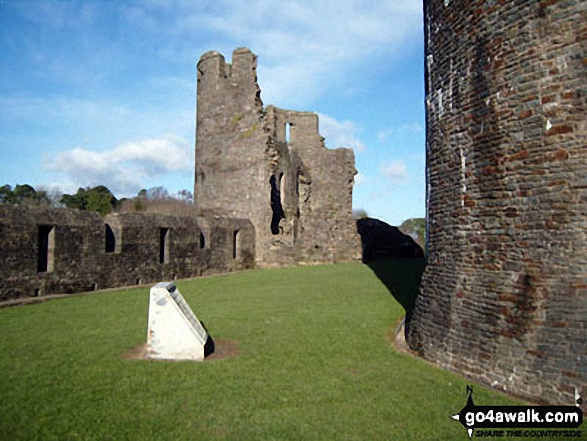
(126, 168)
(412, 127)
(100, 116)
(384, 135)
(50, 13)
(340, 133)
(18, 107)
(395, 171)
(303, 45)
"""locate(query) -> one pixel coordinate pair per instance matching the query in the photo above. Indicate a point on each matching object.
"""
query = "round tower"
(504, 295)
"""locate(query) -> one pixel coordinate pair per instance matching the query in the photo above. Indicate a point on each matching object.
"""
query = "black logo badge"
(517, 417)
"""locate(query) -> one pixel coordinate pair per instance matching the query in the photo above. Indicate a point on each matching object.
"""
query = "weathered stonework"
(296, 192)
(504, 295)
(81, 255)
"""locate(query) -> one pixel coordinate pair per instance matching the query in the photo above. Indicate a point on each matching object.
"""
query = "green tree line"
(99, 199)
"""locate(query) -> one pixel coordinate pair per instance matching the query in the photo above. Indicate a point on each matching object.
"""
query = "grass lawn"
(314, 363)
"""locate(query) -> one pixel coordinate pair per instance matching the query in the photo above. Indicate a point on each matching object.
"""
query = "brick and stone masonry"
(504, 294)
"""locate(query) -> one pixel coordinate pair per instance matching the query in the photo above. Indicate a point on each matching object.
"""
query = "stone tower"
(504, 295)
(270, 166)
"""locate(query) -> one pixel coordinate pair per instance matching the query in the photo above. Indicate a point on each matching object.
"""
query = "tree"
(77, 200)
(156, 193)
(23, 195)
(24, 192)
(359, 213)
(185, 196)
(143, 194)
(53, 194)
(98, 199)
(415, 227)
(160, 200)
(6, 195)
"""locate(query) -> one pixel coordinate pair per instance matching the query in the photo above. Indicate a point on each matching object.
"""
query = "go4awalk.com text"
(520, 421)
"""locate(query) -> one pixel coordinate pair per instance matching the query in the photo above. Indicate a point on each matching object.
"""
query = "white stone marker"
(174, 331)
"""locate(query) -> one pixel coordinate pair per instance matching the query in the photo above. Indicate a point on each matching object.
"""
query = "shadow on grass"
(401, 277)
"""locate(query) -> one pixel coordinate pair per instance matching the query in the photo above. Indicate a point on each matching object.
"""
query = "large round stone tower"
(504, 295)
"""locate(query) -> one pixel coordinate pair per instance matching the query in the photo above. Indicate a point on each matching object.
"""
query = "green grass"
(315, 363)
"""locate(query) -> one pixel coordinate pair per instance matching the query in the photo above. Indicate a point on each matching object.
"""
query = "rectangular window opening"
(46, 252)
(163, 245)
(235, 245)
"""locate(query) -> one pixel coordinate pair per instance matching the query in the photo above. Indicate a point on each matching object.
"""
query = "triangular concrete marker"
(174, 331)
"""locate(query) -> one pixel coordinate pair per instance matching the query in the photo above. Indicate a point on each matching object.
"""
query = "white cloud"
(360, 179)
(396, 171)
(340, 133)
(127, 167)
(303, 46)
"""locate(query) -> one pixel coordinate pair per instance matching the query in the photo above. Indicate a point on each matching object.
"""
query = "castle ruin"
(270, 166)
(504, 295)
(262, 199)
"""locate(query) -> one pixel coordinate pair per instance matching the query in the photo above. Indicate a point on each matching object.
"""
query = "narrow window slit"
(163, 245)
(46, 252)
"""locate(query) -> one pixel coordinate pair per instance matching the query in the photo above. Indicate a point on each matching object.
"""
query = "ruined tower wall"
(246, 168)
(231, 177)
(318, 190)
(50, 251)
(229, 134)
(504, 295)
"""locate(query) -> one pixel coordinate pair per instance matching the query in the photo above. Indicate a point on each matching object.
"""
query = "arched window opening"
(202, 240)
(287, 131)
(235, 244)
(110, 239)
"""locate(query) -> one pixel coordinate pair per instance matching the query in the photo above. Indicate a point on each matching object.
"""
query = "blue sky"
(103, 92)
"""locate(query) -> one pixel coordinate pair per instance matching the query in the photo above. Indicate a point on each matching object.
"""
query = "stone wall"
(261, 198)
(47, 251)
(296, 192)
(504, 295)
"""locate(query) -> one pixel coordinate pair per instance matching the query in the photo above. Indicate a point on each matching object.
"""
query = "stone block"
(174, 333)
